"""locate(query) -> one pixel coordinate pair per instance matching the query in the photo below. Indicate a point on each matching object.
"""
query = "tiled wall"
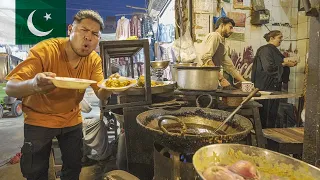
(298, 72)
(282, 11)
(302, 30)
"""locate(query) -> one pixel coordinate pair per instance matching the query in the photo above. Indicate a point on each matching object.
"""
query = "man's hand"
(23, 88)
(103, 94)
(224, 83)
(42, 84)
(208, 63)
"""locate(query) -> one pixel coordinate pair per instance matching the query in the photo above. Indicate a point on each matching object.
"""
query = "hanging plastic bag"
(222, 14)
(85, 106)
(184, 49)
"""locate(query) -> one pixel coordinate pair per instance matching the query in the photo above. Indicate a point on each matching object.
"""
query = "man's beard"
(226, 35)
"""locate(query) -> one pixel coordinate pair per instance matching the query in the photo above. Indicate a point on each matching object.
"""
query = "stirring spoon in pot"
(174, 118)
(236, 110)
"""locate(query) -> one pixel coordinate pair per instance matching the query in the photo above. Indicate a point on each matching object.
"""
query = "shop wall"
(168, 15)
(284, 17)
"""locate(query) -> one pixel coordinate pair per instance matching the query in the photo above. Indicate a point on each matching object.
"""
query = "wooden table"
(278, 95)
(285, 140)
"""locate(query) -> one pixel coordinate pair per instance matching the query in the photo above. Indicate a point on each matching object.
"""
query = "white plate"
(119, 89)
(71, 83)
(265, 92)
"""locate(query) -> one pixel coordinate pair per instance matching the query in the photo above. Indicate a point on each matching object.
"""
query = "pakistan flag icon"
(37, 20)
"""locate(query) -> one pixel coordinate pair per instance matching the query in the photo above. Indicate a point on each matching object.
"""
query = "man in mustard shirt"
(53, 112)
(214, 51)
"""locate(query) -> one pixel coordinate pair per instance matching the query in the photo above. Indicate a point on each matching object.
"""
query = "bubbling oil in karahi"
(196, 125)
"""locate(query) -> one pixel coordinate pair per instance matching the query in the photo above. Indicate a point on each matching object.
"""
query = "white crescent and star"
(47, 16)
(33, 29)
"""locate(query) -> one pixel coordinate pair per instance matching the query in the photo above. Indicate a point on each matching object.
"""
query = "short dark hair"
(270, 34)
(224, 20)
(89, 14)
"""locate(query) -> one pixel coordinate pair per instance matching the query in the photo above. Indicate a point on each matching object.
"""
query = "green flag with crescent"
(37, 20)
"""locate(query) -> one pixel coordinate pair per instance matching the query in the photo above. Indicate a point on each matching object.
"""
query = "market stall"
(151, 149)
(190, 87)
(142, 158)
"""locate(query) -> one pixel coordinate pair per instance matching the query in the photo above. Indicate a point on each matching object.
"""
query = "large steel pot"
(174, 71)
(267, 162)
(198, 78)
(189, 143)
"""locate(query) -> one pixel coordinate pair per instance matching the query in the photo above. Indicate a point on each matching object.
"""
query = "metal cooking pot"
(198, 78)
(272, 161)
(189, 143)
(174, 71)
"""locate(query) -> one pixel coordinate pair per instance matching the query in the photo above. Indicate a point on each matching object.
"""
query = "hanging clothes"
(138, 60)
(139, 57)
(167, 74)
(166, 51)
(151, 48)
(146, 29)
(135, 26)
(165, 33)
(123, 29)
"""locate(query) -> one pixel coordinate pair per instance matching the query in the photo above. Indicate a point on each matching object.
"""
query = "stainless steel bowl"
(159, 64)
(205, 156)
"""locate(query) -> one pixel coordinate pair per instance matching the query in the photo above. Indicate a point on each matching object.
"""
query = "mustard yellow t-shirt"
(60, 107)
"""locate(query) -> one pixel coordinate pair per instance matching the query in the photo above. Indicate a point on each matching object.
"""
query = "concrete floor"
(11, 136)
(11, 140)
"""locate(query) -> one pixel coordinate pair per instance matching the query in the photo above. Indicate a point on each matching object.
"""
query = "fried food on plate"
(153, 83)
(116, 81)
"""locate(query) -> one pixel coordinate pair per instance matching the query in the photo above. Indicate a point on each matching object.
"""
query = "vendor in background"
(270, 69)
(53, 112)
(214, 52)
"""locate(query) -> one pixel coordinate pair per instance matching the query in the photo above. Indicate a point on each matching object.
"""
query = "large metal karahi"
(190, 143)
